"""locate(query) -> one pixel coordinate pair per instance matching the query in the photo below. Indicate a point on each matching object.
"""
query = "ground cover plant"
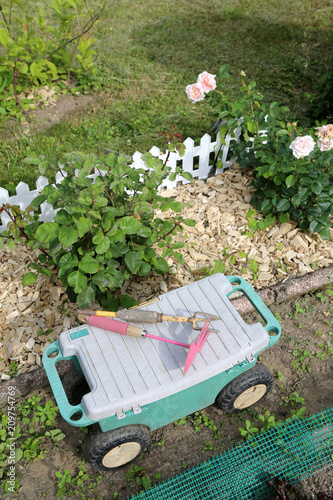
(36, 425)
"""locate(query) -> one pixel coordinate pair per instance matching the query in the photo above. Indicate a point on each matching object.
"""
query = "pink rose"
(302, 146)
(207, 81)
(325, 146)
(325, 137)
(325, 130)
(195, 92)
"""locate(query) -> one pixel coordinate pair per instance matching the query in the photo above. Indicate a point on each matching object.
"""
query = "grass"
(147, 55)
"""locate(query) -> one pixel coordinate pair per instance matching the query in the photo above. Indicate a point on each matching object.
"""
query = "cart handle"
(272, 325)
(51, 356)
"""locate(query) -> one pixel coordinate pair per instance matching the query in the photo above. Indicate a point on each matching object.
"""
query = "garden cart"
(131, 386)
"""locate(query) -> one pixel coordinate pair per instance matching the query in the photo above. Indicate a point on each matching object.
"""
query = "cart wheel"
(75, 386)
(111, 449)
(246, 389)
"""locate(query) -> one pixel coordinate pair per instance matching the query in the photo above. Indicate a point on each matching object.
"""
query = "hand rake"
(195, 348)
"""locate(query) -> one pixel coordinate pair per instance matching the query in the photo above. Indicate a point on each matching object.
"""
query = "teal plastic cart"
(130, 386)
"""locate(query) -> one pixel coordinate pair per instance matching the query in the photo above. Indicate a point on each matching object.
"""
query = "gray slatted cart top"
(125, 373)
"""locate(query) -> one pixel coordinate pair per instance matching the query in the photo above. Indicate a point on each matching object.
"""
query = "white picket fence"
(197, 160)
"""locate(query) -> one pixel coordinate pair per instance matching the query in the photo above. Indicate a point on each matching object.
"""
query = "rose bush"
(105, 230)
(292, 173)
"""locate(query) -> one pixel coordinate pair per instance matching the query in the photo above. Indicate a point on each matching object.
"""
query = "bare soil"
(57, 110)
(306, 325)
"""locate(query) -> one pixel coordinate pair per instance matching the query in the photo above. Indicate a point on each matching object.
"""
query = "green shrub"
(42, 48)
(300, 188)
(104, 230)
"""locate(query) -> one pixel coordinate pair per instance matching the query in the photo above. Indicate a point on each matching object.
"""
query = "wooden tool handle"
(107, 314)
(179, 319)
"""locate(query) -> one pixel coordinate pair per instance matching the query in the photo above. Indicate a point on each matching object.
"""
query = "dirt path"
(307, 329)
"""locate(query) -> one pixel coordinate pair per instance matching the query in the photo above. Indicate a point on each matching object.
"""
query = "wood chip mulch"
(33, 317)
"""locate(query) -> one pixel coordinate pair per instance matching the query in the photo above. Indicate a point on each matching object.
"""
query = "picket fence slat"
(198, 160)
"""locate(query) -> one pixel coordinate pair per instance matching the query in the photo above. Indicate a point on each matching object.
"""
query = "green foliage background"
(145, 57)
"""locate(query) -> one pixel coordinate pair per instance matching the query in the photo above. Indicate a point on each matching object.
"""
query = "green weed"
(278, 316)
(279, 375)
(268, 421)
(181, 421)
(298, 309)
(208, 446)
(137, 474)
(249, 430)
(32, 412)
(293, 400)
(78, 484)
(303, 359)
(327, 348)
(34, 427)
(321, 297)
(200, 420)
(321, 355)
(161, 442)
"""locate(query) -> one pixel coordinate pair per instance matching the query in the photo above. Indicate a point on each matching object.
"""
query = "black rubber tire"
(112, 449)
(259, 378)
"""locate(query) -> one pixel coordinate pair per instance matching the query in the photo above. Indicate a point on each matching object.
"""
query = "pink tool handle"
(108, 324)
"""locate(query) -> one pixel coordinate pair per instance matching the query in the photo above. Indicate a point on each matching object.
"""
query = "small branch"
(22, 232)
(15, 74)
(10, 12)
(136, 192)
(72, 58)
(166, 160)
(77, 16)
(107, 192)
(86, 28)
(60, 170)
(171, 231)
(6, 23)
(87, 9)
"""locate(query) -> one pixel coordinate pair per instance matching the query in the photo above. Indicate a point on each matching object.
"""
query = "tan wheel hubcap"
(121, 454)
(250, 396)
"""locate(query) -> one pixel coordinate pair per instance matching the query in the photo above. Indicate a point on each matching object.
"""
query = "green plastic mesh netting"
(292, 451)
